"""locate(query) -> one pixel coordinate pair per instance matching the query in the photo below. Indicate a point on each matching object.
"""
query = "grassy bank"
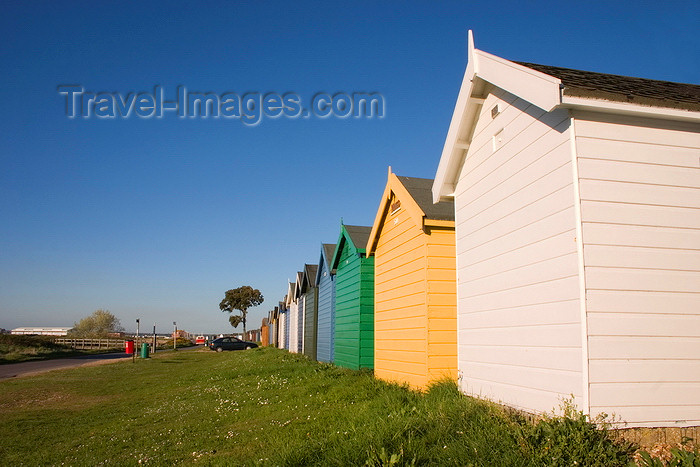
(19, 348)
(15, 349)
(268, 407)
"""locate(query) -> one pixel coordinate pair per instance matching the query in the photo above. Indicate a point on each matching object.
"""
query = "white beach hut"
(577, 217)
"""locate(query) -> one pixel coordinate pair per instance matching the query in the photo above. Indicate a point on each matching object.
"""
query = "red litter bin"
(129, 347)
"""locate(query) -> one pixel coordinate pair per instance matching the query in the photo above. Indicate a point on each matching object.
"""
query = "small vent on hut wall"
(395, 207)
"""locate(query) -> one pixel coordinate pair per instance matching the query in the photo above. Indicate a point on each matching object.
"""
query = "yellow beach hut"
(415, 308)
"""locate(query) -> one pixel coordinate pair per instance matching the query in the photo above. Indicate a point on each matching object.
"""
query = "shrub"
(17, 348)
(572, 439)
(678, 458)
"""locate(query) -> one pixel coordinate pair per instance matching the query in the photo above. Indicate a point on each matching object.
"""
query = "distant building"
(181, 334)
(48, 331)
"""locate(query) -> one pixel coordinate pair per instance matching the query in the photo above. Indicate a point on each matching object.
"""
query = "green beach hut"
(354, 299)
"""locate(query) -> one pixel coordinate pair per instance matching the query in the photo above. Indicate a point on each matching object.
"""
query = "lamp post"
(175, 336)
(136, 347)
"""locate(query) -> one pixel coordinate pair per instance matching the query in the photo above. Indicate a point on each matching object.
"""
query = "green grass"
(268, 407)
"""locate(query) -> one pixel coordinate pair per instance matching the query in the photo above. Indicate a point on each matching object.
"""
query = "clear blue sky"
(156, 218)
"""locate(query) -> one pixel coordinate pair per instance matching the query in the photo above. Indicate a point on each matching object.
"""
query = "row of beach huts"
(555, 254)
(381, 297)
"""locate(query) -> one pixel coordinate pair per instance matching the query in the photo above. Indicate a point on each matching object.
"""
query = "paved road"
(13, 370)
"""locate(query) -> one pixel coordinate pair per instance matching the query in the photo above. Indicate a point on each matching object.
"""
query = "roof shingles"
(579, 83)
(421, 191)
(359, 235)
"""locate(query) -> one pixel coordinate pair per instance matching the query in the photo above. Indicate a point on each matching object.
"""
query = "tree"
(99, 323)
(240, 299)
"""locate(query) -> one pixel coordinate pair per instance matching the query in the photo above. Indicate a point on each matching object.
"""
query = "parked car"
(231, 343)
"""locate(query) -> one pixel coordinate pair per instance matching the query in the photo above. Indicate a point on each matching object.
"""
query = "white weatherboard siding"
(301, 302)
(294, 327)
(282, 323)
(640, 208)
(519, 316)
(577, 206)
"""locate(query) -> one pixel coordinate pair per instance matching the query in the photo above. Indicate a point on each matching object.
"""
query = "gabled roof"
(309, 277)
(355, 237)
(420, 191)
(297, 285)
(291, 294)
(327, 250)
(358, 235)
(549, 88)
(415, 197)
